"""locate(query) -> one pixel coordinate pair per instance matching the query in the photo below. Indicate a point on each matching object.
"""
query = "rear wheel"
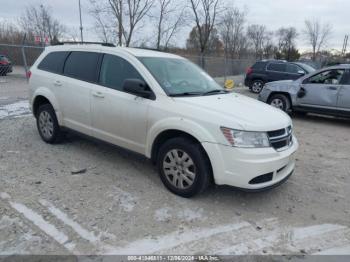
(257, 86)
(184, 167)
(280, 101)
(47, 124)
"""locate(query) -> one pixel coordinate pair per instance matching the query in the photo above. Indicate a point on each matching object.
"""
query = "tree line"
(217, 28)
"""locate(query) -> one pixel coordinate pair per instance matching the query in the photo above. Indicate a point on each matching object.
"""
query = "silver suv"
(326, 91)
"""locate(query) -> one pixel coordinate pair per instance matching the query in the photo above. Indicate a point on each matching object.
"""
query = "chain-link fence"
(221, 66)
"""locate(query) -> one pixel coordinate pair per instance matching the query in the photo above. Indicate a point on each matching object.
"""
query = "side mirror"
(301, 72)
(137, 87)
(301, 93)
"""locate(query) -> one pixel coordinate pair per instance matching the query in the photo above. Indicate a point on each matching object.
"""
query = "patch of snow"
(41, 223)
(340, 251)
(4, 195)
(162, 214)
(150, 245)
(14, 110)
(303, 232)
(82, 232)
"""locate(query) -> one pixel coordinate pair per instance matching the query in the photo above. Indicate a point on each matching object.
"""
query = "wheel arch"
(44, 96)
(281, 93)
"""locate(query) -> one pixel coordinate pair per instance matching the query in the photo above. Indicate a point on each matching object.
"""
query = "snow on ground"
(17, 109)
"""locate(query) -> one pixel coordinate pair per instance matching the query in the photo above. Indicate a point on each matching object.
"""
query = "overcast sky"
(272, 13)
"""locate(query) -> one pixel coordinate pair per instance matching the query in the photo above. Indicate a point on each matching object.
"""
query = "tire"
(280, 101)
(47, 124)
(183, 166)
(257, 86)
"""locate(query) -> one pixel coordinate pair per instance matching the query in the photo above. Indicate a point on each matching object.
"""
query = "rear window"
(82, 66)
(53, 62)
(278, 67)
(259, 66)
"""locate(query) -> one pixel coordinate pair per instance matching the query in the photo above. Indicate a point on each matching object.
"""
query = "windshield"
(180, 77)
(308, 68)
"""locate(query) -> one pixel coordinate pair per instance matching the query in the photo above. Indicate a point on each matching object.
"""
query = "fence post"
(24, 57)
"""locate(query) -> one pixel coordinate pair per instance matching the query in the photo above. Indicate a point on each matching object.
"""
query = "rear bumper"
(242, 167)
(247, 82)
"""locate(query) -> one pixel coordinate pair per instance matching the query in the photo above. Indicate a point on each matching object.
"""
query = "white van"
(166, 108)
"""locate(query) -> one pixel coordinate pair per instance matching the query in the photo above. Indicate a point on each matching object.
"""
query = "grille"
(281, 139)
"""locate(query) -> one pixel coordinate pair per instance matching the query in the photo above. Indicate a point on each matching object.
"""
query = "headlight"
(246, 139)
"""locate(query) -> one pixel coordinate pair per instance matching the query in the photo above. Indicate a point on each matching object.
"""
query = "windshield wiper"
(186, 94)
(216, 91)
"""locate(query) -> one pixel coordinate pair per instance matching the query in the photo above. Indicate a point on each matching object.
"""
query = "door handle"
(332, 88)
(57, 83)
(98, 94)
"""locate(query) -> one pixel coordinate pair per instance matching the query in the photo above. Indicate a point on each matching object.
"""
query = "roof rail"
(84, 43)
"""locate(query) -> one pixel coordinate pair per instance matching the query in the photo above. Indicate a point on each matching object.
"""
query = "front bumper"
(238, 167)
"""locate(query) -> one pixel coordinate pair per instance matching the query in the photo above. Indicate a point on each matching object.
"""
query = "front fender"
(49, 95)
(177, 123)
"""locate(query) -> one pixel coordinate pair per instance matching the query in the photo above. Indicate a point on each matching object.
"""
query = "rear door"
(276, 71)
(321, 90)
(80, 76)
(344, 93)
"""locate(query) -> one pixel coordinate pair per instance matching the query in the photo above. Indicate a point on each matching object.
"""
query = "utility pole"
(81, 24)
(345, 44)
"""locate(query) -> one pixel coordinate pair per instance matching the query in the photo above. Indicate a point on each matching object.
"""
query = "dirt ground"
(116, 203)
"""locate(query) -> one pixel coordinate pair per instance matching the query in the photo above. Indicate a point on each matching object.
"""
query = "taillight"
(4, 63)
(249, 70)
(29, 74)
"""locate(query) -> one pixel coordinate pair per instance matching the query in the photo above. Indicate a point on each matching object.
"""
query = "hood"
(235, 111)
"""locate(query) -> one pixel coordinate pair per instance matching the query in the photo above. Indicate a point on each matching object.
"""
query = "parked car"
(274, 70)
(166, 108)
(5, 65)
(326, 91)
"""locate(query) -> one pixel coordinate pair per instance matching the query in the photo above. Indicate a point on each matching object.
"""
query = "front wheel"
(184, 167)
(257, 86)
(280, 101)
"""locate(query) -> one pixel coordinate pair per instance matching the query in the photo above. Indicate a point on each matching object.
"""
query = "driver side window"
(329, 77)
(114, 70)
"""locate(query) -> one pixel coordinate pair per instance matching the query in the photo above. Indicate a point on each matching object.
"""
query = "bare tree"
(39, 21)
(257, 36)
(128, 14)
(169, 20)
(317, 35)
(104, 26)
(286, 41)
(10, 33)
(232, 30)
(205, 14)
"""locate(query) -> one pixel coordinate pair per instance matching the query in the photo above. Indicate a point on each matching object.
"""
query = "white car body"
(94, 110)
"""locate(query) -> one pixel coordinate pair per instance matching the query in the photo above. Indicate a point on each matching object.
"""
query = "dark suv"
(274, 70)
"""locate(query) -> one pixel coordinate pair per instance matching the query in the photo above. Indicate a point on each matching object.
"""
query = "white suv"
(166, 108)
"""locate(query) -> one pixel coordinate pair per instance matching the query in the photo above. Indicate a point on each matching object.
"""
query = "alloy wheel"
(46, 124)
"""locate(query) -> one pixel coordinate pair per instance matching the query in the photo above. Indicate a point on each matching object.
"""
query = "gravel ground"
(86, 197)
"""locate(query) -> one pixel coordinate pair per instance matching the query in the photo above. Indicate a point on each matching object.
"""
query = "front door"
(118, 117)
(321, 90)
